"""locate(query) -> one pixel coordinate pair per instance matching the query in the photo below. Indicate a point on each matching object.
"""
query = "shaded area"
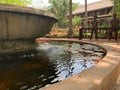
(49, 63)
(20, 72)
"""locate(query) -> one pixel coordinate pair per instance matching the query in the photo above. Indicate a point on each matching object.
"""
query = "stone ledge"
(22, 9)
(102, 76)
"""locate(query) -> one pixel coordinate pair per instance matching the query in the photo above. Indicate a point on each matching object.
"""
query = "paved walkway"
(115, 46)
(117, 86)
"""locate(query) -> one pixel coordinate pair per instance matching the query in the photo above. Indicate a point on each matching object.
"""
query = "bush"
(104, 25)
(76, 21)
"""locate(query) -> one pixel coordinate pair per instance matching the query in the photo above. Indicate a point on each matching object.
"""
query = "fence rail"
(103, 31)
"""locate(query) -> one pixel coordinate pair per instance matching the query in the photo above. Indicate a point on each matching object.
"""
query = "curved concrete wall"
(24, 23)
(102, 76)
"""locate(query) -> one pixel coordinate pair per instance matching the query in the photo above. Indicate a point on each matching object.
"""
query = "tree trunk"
(70, 31)
(86, 22)
(114, 7)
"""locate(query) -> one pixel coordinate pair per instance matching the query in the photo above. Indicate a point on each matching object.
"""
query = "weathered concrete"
(24, 23)
(14, 46)
(102, 76)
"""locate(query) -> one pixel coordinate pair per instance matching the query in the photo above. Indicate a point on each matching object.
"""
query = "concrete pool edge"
(102, 76)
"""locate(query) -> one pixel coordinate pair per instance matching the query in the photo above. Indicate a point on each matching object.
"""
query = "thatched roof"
(94, 6)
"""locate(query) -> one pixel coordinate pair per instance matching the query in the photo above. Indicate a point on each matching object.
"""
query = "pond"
(49, 63)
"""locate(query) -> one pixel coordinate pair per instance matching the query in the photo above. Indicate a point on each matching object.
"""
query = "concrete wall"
(17, 23)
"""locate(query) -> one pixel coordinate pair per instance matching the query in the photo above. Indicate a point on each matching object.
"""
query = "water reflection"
(71, 58)
(25, 71)
(49, 63)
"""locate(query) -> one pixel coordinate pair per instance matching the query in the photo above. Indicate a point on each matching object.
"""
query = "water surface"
(53, 62)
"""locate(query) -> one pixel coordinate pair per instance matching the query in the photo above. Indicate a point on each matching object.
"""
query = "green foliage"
(118, 8)
(61, 8)
(76, 21)
(119, 33)
(75, 5)
(104, 25)
(16, 2)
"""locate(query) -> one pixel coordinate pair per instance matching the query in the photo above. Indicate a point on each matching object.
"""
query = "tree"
(76, 21)
(70, 31)
(16, 2)
(60, 9)
(86, 14)
(116, 7)
(75, 5)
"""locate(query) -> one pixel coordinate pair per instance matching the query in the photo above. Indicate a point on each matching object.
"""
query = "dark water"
(53, 62)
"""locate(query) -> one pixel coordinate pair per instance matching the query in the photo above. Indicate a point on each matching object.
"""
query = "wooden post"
(80, 33)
